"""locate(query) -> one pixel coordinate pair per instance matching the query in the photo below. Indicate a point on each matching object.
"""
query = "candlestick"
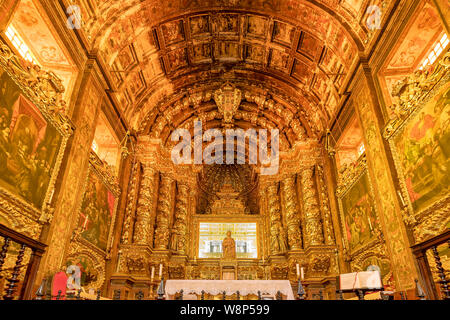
(303, 273)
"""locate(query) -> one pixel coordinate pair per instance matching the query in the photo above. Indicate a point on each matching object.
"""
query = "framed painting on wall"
(89, 248)
(358, 210)
(98, 206)
(33, 135)
(419, 137)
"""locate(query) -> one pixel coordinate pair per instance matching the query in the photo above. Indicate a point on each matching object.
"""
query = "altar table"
(216, 287)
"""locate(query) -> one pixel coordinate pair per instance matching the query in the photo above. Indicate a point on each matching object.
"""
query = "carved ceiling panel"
(305, 50)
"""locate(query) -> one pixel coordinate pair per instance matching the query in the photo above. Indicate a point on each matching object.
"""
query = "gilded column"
(163, 211)
(313, 225)
(292, 214)
(143, 227)
(278, 243)
(179, 230)
(327, 223)
(125, 239)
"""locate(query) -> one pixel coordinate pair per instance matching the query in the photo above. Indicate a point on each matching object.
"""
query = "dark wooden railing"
(37, 250)
(420, 252)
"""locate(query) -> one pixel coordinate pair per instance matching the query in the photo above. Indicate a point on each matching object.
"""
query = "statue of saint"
(229, 247)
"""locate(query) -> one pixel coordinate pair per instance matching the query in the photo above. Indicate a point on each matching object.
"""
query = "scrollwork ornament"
(349, 174)
(45, 89)
(410, 92)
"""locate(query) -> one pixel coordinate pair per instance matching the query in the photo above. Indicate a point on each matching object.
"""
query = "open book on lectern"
(370, 280)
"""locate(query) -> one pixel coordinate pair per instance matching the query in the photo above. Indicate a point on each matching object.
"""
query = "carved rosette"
(313, 224)
(179, 231)
(327, 223)
(292, 214)
(143, 228)
(278, 243)
(165, 203)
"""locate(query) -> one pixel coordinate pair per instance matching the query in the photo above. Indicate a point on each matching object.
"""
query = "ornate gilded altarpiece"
(362, 240)
(92, 240)
(419, 137)
(33, 135)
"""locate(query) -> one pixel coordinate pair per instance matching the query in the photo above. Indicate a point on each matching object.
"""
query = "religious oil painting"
(423, 150)
(382, 265)
(359, 216)
(97, 212)
(29, 145)
(81, 272)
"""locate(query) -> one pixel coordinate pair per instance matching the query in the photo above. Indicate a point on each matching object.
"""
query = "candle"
(51, 196)
(85, 222)
(303, 273)
(160, 269)
(401, 198)
(298, 270)
(370, 224)
(153, 272)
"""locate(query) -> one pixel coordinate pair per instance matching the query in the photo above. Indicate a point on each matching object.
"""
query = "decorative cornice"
(348, 175)
(106, 173)
(43, 88)
(411, 92)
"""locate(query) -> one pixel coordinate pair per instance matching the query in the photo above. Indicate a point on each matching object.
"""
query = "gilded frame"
(415, 104)
(45, 91)
(97, 167)
(348, 181)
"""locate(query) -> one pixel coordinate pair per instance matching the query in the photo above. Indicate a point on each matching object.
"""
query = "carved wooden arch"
(276, 114)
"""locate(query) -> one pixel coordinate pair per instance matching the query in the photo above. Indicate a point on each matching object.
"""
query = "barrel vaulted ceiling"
(291, 59)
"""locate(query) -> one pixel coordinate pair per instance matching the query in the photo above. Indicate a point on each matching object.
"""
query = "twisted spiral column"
(130, 205)
(278, 243)
(164, 208)
(143, 228)
(179, 230)
(313, 224)
(327, 222)
(290, 204)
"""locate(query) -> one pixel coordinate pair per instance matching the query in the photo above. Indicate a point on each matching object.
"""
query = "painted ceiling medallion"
(228, 99)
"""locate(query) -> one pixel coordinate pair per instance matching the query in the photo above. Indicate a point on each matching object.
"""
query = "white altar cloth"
(245, 287)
